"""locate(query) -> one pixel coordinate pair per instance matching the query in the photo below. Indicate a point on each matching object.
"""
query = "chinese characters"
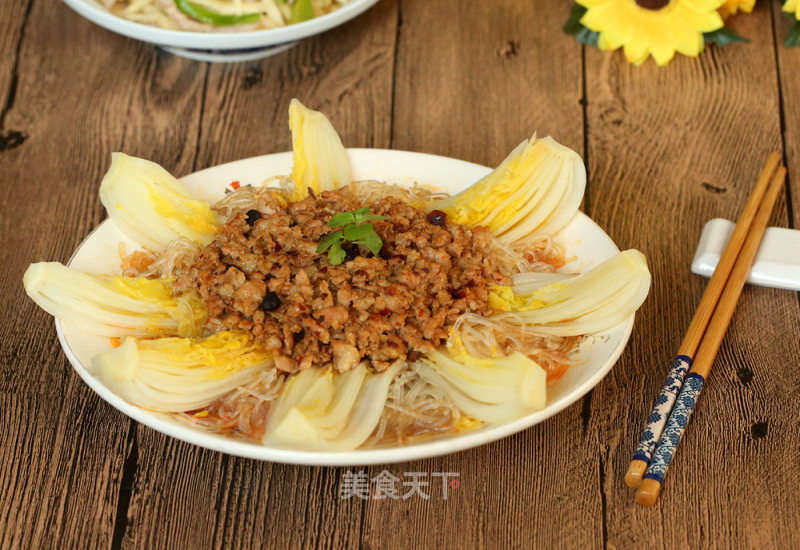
(387, 486)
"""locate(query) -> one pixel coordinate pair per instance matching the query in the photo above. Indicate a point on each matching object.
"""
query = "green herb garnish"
(356, 229)
(355, 217)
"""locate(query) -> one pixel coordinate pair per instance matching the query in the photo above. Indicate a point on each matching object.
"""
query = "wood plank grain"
(670, 148)
(472, 83)
(62, 449)
(212, 500)
(12, 27)
(788, 60)
(514, 493)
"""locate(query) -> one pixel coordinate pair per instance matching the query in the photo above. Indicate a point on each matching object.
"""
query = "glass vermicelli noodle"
(315, 312)
(485, 337)
(414, 410)
(244, 411)
(176, 257)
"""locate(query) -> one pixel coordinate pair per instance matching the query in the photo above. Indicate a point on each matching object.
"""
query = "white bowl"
(220, 46)
(99, 253)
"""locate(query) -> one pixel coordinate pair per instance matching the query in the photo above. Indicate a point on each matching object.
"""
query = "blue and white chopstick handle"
(661, 409)
(676, 425)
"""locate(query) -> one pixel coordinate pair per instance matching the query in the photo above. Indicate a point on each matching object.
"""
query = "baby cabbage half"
(180, 374)
(320, 160)
(536, 189)
(593, 301)
(492, 390)
(328, 411)
(113, 306)
(152, 207)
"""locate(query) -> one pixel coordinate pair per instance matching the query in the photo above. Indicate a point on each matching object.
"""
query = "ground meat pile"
(262, 274)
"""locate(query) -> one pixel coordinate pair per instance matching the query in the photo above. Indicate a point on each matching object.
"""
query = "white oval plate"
(218, 42)
(99, 253)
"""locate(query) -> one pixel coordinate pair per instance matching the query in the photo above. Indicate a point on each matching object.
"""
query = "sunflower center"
(652, 4)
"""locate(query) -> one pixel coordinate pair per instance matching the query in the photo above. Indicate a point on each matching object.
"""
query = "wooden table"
(666, 149)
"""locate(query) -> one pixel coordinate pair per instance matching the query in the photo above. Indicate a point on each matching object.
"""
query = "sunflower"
(652, 27)
(792, 6)
(732, 7)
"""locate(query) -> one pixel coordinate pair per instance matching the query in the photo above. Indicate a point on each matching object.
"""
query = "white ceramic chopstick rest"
(777, 262)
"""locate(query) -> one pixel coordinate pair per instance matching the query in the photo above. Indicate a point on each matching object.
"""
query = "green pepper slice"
(302, 10)
(205, 15)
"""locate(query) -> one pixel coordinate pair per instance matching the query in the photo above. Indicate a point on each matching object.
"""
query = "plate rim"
(218, 40)
(355, 457)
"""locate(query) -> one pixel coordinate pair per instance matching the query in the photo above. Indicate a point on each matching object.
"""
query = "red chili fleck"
(236, 185)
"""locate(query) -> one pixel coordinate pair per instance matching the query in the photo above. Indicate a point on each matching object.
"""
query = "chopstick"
(694, 334)
(684, 406)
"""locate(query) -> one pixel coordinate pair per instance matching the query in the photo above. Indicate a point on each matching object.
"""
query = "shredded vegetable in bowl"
(221, 15)
(319, 313)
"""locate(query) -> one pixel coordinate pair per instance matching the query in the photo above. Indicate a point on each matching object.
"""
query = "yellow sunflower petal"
(732, 7)
(677, 27)
(662, 48)
(687, 41)
(637, 49)
(702, 21)
(603, 43)
(598, 18)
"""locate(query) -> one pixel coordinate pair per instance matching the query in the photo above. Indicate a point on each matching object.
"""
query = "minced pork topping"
(262, 274)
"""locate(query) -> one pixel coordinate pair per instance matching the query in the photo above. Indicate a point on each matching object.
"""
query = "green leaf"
(723, 37)
(357, 232)
(574, 27)
(573, 24)
(355, 229)
(328, 240)
(373, 242)
(336, 254)
(793, 38)
(342, 219)
(585, 36)
(362, 215)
